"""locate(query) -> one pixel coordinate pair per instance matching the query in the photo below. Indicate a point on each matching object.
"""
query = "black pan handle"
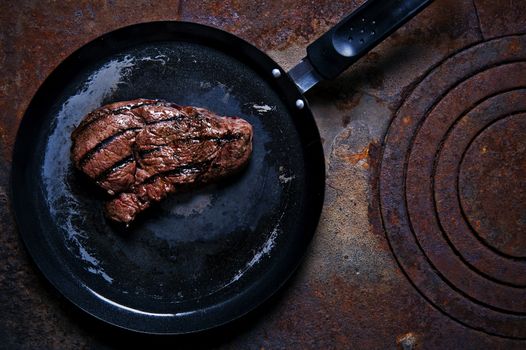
(356, 35)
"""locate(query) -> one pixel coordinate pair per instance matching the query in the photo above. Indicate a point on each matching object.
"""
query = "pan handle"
(353, 37)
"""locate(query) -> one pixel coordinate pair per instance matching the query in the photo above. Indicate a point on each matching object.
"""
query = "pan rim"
(213, 316)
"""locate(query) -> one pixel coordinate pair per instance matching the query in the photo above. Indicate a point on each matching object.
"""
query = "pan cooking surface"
(194, 250)
(196, 232)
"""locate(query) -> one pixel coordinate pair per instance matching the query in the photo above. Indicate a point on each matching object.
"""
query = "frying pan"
(196, 260)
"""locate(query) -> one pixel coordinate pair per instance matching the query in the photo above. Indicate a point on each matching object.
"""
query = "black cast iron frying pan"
(201, 259)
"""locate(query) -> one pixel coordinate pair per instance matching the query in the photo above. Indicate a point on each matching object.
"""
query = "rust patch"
(346, 119)
(496, 20)
(352, 157)
(348, 101)
(359, 157)
(493, 185)
(408, 341)
(514, 46)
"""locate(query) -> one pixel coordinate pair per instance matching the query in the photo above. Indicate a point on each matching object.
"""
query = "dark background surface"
(350, 292)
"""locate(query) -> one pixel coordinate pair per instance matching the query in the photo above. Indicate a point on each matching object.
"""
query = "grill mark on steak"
(164, 147)
(145, 152)
(102, 129)
(179, 170)
(118, 165)
(89, 154)
(117, 111)
(186, 169)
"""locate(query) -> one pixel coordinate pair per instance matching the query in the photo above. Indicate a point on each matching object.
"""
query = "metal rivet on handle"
(300, 104)
(276, 73)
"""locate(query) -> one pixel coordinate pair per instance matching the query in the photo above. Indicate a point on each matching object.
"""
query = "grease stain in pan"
(98, 87)
(56, 159)
(285, 177)
(263, 108)
(265, 250)
(188, 204)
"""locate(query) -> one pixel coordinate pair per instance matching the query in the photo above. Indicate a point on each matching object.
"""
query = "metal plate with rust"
(452, 208)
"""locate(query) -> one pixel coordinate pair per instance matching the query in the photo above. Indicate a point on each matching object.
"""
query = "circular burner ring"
(433, 216)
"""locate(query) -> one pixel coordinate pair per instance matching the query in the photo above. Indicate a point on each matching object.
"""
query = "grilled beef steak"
(139, 151)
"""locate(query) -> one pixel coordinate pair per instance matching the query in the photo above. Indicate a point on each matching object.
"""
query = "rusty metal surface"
(498, 20)
(446, 271)
(493, 203)
(421, 190)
